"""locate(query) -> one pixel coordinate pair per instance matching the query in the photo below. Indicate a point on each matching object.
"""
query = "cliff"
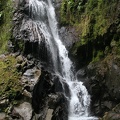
(97, 23)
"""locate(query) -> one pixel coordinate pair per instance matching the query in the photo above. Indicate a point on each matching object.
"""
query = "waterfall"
(42, 14)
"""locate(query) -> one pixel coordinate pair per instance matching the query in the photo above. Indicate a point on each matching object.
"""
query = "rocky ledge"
(102, 80)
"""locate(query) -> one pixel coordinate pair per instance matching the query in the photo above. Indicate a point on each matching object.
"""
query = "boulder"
(41, 91)
(112, 115)
(28, 81)
(23, 111)
(2, 116)
(47, 96)
(103, 83)
(61, 108)
(30, 78)
(20, 59)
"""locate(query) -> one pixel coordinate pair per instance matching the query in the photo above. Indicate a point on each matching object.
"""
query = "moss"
(6, 8)
(97, 57)
(10, 86)
(97, 22)
(21, 45)
(70, 11)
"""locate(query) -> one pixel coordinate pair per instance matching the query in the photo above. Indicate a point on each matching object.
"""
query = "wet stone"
(2, 116)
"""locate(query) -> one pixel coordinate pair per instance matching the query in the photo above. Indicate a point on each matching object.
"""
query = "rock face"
(45, 98)
(25, 38)
(68, 35)
(57, 5)
(112, 115)
(24, 111)
(24, 31)
(102, 80)
(104, 85)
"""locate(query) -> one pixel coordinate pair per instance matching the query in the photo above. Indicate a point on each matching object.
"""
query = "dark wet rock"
(53, 98)
(29, 57)
(58, 107)
(18, 66)
(41, 91)
(108, 104)
(112, 115)
(69, 36)
(23, 30)
(60, 85)
(4, 103)
(103, 84)
(61, 109)
(57, 5)
(46, 96)
(81, 74)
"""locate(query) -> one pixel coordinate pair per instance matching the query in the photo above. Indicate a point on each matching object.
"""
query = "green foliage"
(97, 21)
(70, 11)
(10, 86)
(116, 47)
(95, 18)
(20, 44)
(5, 23)
(91, 4)
(97, 57)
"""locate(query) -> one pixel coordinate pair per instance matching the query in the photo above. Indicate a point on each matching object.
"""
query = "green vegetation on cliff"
(6, 8)
(98, 24)
(10, 86)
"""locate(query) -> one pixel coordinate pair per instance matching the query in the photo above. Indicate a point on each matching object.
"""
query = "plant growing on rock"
(10, 86)
(97, 22)
(6, 9)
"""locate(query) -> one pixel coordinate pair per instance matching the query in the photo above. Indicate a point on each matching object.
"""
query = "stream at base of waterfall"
(42, 15)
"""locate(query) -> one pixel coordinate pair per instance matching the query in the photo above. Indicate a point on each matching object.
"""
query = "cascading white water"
(44, 20)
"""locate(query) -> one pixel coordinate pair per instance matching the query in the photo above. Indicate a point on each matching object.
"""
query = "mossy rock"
(98, 25)
(10, 86)
(6, 12)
